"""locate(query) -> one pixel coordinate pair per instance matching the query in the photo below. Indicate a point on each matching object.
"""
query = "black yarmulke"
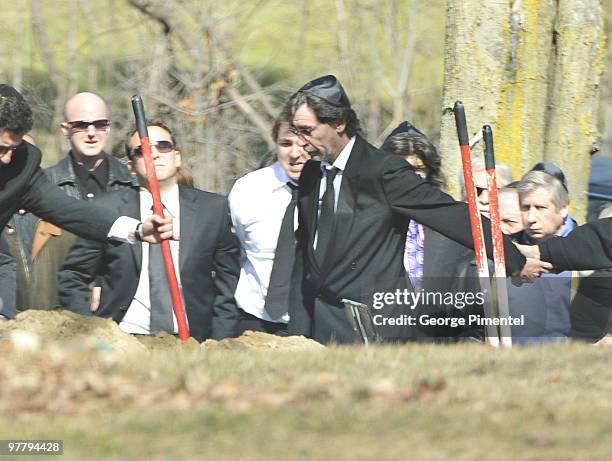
(408, 128)
(551, 169)
(328, 88)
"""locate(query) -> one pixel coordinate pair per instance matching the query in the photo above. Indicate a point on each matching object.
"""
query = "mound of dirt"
(74, 330)
(165, 342)
(33, 327)
(255, 340)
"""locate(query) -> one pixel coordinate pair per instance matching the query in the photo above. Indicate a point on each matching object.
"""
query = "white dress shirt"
(137, 319)
(258, 202)
(121, 228)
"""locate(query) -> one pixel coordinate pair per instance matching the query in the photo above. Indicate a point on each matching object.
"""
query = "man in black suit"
(24, 185)
(127, 276)
(353, 210)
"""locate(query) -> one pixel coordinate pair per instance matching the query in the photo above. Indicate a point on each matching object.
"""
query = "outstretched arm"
(587, 247)
(419, 200)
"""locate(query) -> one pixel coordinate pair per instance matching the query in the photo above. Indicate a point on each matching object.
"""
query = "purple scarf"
(414, 253)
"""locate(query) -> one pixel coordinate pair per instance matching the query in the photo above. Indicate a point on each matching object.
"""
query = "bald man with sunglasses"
(24, 185)
(85, 172)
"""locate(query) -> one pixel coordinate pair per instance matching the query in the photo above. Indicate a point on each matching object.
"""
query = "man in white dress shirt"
(260, 202)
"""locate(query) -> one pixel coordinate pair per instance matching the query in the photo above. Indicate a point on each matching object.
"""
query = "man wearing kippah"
(353, 210)
(544, 304)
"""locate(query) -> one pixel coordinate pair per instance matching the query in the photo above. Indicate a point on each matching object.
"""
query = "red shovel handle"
(158, 208)
(466, 159)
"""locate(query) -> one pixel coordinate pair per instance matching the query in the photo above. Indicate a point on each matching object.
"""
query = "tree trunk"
(531, 70)
(474, 59)
(572, 114)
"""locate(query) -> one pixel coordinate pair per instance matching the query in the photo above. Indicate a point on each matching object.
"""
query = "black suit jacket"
(379, 193)
(24, 185)
(207, 245)
(450, 267)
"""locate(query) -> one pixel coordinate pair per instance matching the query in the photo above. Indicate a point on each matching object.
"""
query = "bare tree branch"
(252, 115)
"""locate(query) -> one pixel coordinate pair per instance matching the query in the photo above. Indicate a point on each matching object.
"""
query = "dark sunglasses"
(163, 147)
(83, 125)
(6, 149)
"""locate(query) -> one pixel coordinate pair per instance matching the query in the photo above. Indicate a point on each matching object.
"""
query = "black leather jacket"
(63, 175)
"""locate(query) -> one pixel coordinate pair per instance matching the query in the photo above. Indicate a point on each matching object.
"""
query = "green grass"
(413, 402)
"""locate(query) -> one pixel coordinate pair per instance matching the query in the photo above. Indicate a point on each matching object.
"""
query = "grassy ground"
(414, 402)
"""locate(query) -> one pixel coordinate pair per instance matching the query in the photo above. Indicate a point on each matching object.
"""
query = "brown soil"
(80, 332)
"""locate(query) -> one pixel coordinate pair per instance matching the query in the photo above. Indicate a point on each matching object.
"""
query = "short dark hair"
(285, 116)
(406, 144)
(326, 112)
(15, 113)
(157, 123)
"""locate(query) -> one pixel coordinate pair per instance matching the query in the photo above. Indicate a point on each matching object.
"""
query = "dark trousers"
(250, 322)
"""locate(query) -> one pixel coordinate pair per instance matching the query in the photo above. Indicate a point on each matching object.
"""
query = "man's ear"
(178, 159)
(340, 127)
(564, 211)
(65, 129)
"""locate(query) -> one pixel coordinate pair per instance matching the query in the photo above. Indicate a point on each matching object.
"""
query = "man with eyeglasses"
(86, 171)
(132, 279)
(353, 210)
(24, 185)
(479, 174)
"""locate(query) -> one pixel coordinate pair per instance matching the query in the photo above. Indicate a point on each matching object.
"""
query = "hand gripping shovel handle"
(158, 208)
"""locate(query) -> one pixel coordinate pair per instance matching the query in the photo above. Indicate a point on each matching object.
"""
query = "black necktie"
(325, 227)
(277, 299)
(159, 293)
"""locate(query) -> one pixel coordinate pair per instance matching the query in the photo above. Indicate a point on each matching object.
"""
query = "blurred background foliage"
(218, 71)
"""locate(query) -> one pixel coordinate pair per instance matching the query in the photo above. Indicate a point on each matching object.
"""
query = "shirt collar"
(281, 178)
(170, 200)
(342, 159)
(568, 226)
